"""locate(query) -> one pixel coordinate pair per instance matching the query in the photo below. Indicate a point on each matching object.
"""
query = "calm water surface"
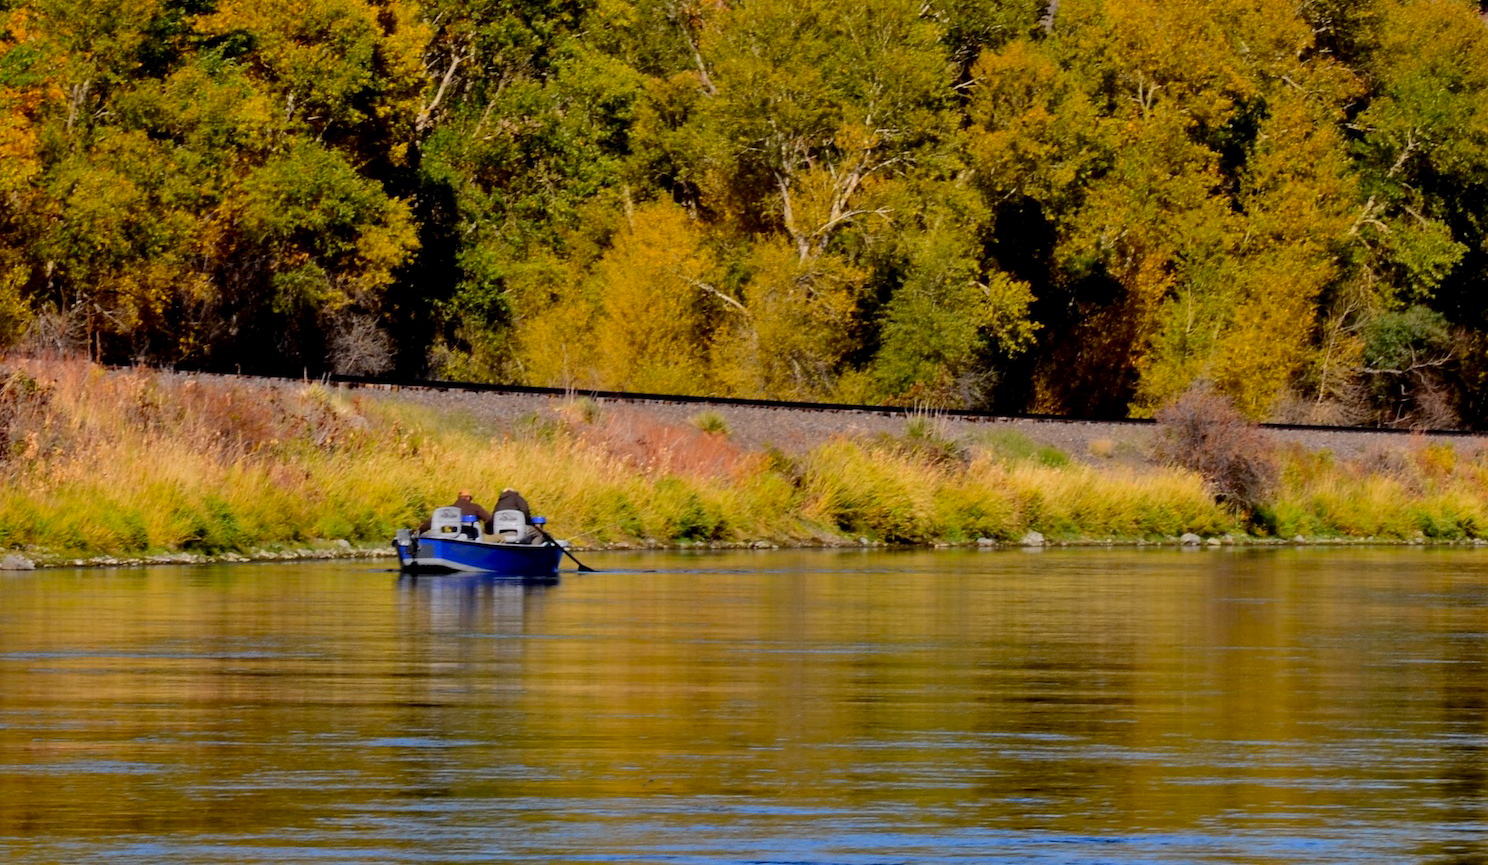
(1083, 706)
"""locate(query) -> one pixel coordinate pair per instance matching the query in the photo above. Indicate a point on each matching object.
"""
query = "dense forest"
(1079, 206)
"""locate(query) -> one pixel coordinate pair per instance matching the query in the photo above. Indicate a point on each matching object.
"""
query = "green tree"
(949, 311)
(202, 191)
(820, 106)
(531, 150)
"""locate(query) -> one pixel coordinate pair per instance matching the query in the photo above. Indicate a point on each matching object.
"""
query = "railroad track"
(353, 381)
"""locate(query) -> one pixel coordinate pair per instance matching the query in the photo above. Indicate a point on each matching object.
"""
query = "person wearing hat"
(511, 500)
(467, 507)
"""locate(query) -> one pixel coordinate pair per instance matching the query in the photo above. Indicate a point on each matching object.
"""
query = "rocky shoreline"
(15, 562)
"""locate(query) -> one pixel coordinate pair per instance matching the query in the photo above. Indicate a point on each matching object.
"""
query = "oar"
(541, 531)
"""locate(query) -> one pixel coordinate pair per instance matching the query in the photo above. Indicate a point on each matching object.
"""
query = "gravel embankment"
(798, 430)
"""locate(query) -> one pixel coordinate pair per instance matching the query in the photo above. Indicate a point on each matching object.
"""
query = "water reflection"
(1272, 706)
(461, 603)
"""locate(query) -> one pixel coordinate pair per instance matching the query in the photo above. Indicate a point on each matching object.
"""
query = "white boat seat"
(511, 526)
(445, 522)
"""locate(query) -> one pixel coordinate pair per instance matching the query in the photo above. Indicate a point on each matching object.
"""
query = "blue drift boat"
(454, 544)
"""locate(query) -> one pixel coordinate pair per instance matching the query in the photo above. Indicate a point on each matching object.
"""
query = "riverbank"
(16, 562)
(123, 467)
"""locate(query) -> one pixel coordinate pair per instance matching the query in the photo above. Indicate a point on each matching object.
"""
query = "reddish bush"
(662, 449)
(1202, 431)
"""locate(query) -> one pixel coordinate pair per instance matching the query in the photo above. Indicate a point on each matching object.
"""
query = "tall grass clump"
(1418, 491)
(1082, 502)
(680, 483)
(877, 492)
(134, 462)
(898, 495)
(711, 422)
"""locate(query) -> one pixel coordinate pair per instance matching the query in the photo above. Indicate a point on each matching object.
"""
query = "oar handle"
(544, 533)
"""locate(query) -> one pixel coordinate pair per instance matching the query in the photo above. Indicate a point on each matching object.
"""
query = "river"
(1257, 706)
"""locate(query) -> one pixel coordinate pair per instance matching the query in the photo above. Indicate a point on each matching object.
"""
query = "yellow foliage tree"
(336, 66)
(21, 95)
(1122, 125)
(653, 293)
(639, 320)
(1298, 198)
(798, 326)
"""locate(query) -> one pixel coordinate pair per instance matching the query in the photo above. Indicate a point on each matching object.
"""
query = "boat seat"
(445, 522)
(511, 526)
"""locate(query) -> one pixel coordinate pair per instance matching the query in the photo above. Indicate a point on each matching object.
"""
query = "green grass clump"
(879, 492)
(711, 422)
(1013, 446)
(1081, 502)
(898, 497)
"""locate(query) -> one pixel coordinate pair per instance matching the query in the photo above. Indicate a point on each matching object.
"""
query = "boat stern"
(406, 546)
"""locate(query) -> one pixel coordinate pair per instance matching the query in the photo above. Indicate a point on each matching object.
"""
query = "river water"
(1063, 706)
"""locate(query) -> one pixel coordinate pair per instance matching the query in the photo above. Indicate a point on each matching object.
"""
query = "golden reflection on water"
(1085, 705)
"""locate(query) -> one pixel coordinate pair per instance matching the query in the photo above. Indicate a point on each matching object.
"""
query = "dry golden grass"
(1422, 491)
(106, 463)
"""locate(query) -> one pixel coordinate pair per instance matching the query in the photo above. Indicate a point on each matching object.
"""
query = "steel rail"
(353, 381)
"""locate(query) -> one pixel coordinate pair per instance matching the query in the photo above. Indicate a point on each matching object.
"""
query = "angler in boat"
(464, 537)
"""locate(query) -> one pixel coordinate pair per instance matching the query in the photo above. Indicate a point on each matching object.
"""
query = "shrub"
(1013, 446)
(925, 438)
(657, 448)
(1203, 432)
(22, 401)
(711, 422)
(582, 411)
(358, 346)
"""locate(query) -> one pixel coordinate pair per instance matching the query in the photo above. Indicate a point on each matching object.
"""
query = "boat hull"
(450, 556)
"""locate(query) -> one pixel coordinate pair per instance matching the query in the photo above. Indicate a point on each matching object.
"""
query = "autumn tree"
(1082, 207)
(24, 89)
(202, 194)
(821, 108)
(642, 319)
(1188, 158)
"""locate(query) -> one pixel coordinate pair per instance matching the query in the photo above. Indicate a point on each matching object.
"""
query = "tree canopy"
(1078, 207)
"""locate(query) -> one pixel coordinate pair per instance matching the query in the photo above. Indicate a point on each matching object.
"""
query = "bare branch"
(699, 284)
(1365, 215)
(851, 214)
(426, 114)
(1410, 147)
(1414, 366)
(788, 216)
